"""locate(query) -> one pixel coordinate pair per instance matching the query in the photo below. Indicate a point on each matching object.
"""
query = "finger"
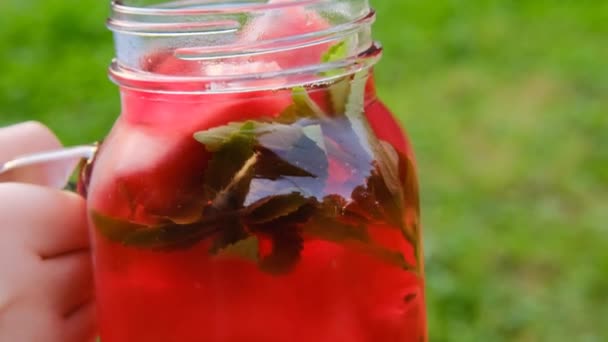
(80, 326)
(69, 281)
(50, 222)
(27, 323)
(26, 138)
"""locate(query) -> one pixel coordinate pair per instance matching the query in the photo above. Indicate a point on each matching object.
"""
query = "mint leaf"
(389, 206)
(234, 194)
(228, 159)
(330, 224)
(246, 249)
(355, 112)
(287, 245)
(388, 197)
(302, 166)
(114, 229)
(272, 208)
(385, 189)
(315, 133)
(262, 188)
(267, 181)
(271, 166)
(365, 205)
(277, 147)
(215, 138)
(338, 91)
(388, 163)
(306, 154)
(292, 155)
(409, 181)
(338, 95)
(348, 156)
(305, 106)
(277, 136)
(162, 237)
(398, 194)
(167, 238)
(381, 198)
(335, 53)
(232, 231)
(385, 184)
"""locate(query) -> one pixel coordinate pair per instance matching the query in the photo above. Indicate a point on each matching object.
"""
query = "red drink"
(265, 215)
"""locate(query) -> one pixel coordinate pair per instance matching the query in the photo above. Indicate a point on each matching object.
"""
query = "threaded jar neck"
(203, 46)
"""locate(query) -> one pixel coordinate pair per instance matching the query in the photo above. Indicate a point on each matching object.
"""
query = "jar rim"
(214, 7)
(185, 31)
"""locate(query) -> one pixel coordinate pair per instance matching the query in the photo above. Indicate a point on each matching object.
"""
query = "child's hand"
(45, 267)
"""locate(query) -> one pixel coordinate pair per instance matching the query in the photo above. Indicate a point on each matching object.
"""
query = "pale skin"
(45, 265)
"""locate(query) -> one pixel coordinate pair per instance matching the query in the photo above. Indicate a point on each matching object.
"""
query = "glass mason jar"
(253, 188)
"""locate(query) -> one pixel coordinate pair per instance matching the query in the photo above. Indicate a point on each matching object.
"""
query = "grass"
(505, 102)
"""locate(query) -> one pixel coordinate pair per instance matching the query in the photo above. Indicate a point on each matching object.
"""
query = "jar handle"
(61, 163)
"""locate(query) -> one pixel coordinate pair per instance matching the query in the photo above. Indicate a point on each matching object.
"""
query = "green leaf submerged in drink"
(268, 180)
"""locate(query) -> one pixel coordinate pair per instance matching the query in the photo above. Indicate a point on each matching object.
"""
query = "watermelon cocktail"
(281, 214)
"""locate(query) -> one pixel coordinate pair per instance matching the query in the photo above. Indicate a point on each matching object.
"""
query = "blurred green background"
(506, 103)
